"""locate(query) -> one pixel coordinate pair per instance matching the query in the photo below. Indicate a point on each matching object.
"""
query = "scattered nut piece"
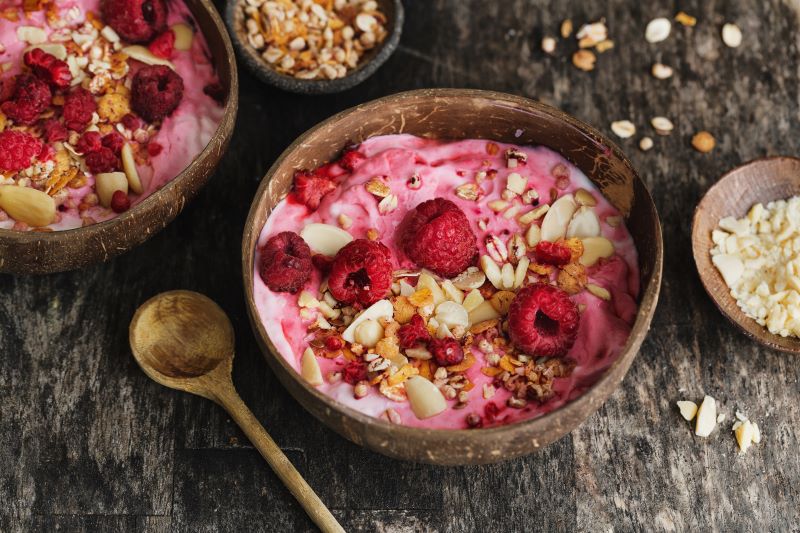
(685, 19)
(604, 46)
(662, 125)
(657, 30)
(706, 417)
(688, 409)
(661, 71)
(623, 128)
(548, 45)
(703, 142)
(566, 28)
(731, 35)
(645, 143)
(584, 60)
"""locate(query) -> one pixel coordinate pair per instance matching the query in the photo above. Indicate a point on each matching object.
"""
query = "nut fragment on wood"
(685, 19)
(703, 142)
(662, 125)
(623, 128)
(657, 30)
(661, 71)
(584, 60)
(566, 28)
(548, 45)
(645, 143)
(731, 35)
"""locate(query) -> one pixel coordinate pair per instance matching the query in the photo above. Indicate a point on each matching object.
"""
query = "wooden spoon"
(183, 340)
(762, 180)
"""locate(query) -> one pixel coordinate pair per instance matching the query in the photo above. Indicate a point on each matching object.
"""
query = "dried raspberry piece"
(90, 141)
(54, 131)
(136, 21)
(437, 236)
(163, 46)
(552, 253)
(322, 263)
(354, 371)
(216, 91)
(47, 153)
(78, 108)
(446, 352)
(120, 202)
(156, 92)
(311, 187)
(333, 343)
(48, 68)
(114, 141)
(350, 159)
(153, 148)
(7, 88)
(101, 160)
(361, 273)
(17, 150)
(285, 262)
(31, 97)
(131, 121)
(413, 333)
(543, 320)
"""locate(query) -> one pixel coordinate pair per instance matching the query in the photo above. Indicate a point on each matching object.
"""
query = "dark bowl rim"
(706, 281)
(265, 73)
(231, 107)
(647, 301)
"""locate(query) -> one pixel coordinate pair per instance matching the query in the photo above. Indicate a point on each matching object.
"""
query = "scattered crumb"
(703, 142)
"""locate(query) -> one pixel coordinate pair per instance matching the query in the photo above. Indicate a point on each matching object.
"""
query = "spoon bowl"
(762, 180)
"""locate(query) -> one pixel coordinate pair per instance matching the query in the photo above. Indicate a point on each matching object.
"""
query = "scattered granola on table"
(498, 287)
(314, 39)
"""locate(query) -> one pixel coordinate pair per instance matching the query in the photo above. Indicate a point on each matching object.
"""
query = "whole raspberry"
(31, 97)
(310, 188)
(136, 21)
(78, 108)
(543, 320)
(120, 202)
(446, 352)
(164, 45)
(54, 131)
(436, 235)
(90, 141)
(156, 92)
(552, 253)
(413, 333)
(48, 68)
(361, 273)
(101, 160)
(17, 150)
(354, 371)
(285, 262)
(350, 159)
(114, 141)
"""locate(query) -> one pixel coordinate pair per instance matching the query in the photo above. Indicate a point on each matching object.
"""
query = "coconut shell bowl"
(460, 114)
(759, 181)
(33, 252)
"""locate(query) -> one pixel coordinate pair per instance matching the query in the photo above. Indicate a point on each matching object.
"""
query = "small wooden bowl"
(459, 114)
(761, 180)
(370, 62)
(34, 252)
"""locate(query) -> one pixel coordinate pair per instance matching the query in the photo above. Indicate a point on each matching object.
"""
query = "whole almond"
(31, 206)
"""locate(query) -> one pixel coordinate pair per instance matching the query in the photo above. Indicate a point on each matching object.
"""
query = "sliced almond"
(183, 36)
(31, 34)
(595, 248)
(471, 278)
(744, 435)
(472, 300)
(584, 197)
(623, 129)
(584, 224)
(31, 206)
(498, 205)
(483, 312)
(600, 292)
(57, 50)
(662, 125)
(492, 271)
(368, 333)
(425, 398)
(555, 222)
(388, 204)
(501, 301)
(657, 30)
(427, 281)
(378, 310)
(731, 35)
(452, 314)
(325, 239)
(452, 292)
(521, 271)
(141, 53)
(688, 409)
(534, 214)
(309, 368)
(533, 235)
(517, 183)
(107, 183)
(706, 417)
(508, 276)
(129, 166)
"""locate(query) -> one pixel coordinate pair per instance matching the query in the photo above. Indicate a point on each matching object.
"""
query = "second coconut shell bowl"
(460, 114)
(37, 252)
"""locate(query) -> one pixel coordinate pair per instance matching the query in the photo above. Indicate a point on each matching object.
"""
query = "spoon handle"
(280, 464)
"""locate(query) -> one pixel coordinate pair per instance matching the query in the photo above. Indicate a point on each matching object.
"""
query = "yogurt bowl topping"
(447, 284)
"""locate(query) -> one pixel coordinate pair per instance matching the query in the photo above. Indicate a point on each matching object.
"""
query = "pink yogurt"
(183, 134)
(604, 325)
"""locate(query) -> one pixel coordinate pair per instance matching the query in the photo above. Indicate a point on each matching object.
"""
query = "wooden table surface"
(88, 443)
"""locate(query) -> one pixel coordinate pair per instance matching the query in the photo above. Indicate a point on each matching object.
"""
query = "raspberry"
(285, 262)
(91, 141)
(49, 69)
(437, 236)
(132, 122)
(136, 21)
(31, 97)
(311, 187)
(164, 45)
(47, 153)
(543, 320)
(413, 333)
(120, 202)
(446, 352)
(54, 131)
(78, 108)
(114, 141)
(354, 371)
(101, 160)
(552, 253)
(17, 150)
(333, 343)
(351, 159)
(361, 273)
(156, 92)
(153, 148)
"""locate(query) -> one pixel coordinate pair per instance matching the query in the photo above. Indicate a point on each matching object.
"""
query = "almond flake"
(662, 125)
(468, 191)
(600, 292)
(657, 30)
(584, 60)
(548, 45)
(661, 71)
(566, 28)
(685, 19)
(497, 205)
(645, 143)
(706, 417)
(388, 204)
(533, 214)
(623, 128)
(688, 409)
(378, 187)
(731, 35)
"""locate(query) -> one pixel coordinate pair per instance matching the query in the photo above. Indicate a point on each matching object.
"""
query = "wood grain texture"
(87, 442)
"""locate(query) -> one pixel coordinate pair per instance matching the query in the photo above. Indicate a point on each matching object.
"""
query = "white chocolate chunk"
(730, 266)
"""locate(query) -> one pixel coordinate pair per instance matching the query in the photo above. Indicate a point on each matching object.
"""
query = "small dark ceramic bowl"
(762, 180)
(370, 62)
(34, 252)
(462, 114)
